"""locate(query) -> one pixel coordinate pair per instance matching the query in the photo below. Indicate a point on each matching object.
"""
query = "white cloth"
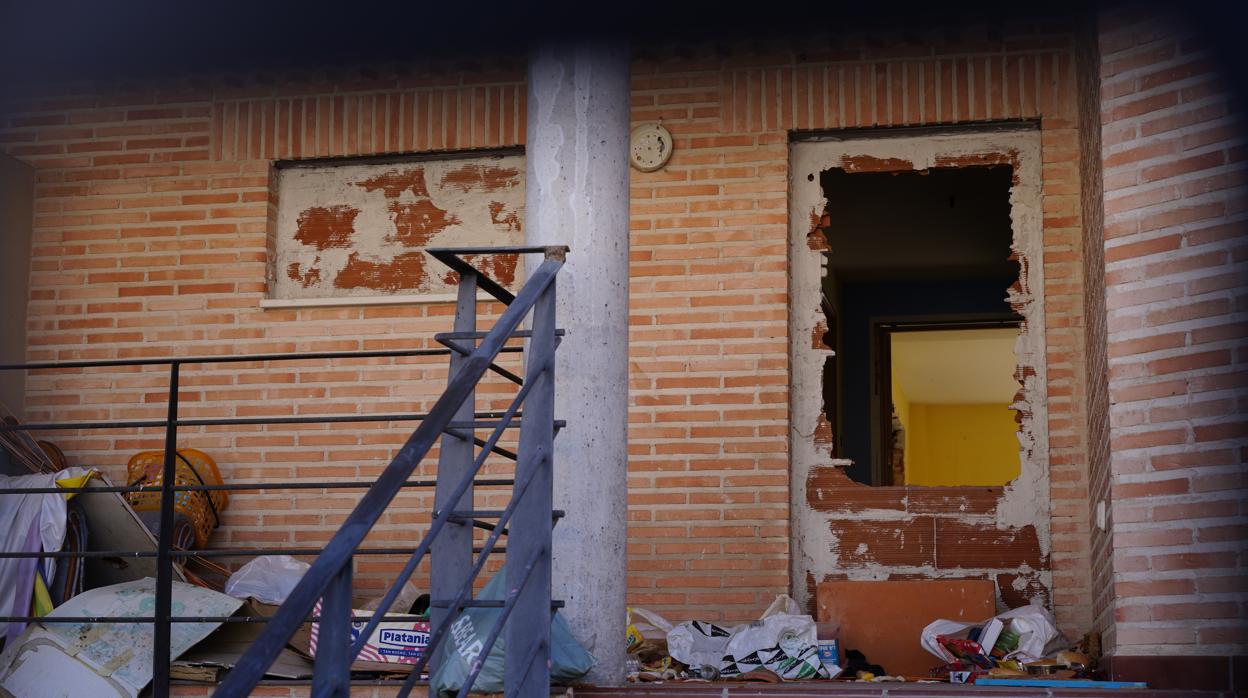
(18, 513)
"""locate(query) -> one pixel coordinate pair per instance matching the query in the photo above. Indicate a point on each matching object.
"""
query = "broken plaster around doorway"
(846, 530)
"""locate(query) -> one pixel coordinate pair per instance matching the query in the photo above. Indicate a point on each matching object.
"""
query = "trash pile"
(109, 658)
(1024, 648)
(782, 645)
(103, 566)
(1023, 643)
(1018, 648)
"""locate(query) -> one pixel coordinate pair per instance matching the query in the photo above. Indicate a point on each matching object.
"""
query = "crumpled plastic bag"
(783, 604)
(783, 641)
(648, 624)
(1035, 626)
(698, 643)
(268, 579)
(568, 660)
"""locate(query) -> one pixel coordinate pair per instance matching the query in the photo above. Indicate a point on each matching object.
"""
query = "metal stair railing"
(527, 519)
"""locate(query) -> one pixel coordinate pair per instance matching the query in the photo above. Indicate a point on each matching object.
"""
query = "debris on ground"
(785, 645)
(216, 654)
(1022, 644)
(105, 658)
(782, 645)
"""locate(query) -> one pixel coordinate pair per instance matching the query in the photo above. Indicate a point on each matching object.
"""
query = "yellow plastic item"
(74, 483)
(194, 467)
(632, 636)
(42, 604)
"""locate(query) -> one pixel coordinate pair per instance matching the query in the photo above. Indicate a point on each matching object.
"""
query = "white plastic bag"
(783, 604)
(650, 624)
(788, 631)
(1035, 626)
(785, 643)
(268, 579)
(782, 640)
(698, 643)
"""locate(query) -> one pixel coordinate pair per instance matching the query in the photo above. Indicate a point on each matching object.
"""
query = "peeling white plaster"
(1023, 579)
(1020, 504)
(468, 219)
(1026, 499)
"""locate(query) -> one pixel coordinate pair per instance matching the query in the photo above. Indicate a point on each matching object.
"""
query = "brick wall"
(1017, 72)
(1174, 180)
(152, 209)
(709, 374)
(1092, 204)
(849, 530)
(151, 239)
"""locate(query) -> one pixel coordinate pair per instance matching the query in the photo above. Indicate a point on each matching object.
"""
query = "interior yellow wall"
(960, 444)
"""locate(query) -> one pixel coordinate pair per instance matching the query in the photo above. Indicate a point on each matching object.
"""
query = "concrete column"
(577, 194)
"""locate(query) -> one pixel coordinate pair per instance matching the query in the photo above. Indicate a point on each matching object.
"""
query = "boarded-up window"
(360, 229)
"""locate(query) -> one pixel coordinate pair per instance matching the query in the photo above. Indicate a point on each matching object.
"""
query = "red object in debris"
(966, 650)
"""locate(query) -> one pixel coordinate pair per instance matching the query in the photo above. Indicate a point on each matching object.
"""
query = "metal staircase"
(526, 519)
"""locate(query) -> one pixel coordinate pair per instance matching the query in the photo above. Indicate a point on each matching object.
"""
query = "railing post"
(164, 545)
(451, 553)
(331, 673)
(529, 534)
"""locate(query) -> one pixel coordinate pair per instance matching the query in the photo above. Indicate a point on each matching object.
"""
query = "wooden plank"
(113, 525)
(883, 620)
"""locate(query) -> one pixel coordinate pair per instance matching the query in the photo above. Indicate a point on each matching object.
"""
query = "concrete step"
(850, 689)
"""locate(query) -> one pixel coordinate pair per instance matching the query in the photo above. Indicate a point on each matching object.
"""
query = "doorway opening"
(920, 382)
(945, 393)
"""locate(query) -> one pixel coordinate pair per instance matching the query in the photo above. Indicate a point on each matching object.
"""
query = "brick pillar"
(1176, 279)
(577, 194)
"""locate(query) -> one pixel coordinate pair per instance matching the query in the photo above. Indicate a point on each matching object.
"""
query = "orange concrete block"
(883, 620)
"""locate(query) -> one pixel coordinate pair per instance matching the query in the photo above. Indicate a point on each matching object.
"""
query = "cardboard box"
(394, 645)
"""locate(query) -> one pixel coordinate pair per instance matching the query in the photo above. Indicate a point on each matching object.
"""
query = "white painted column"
(577, 194)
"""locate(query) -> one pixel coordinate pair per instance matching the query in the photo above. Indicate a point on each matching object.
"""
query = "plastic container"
(829, 646)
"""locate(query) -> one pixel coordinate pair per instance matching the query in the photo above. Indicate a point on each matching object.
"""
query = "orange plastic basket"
(202, 509)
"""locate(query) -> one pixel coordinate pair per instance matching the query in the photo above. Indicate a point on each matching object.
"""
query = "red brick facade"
(1175, 195)
(153, 214)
